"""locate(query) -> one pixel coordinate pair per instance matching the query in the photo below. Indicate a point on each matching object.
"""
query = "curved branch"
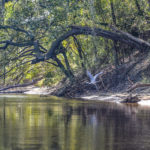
(113, 35)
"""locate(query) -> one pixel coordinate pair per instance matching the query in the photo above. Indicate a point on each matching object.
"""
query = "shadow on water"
(72, 125)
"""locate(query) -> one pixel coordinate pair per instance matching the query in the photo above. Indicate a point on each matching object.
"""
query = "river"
(36, 123)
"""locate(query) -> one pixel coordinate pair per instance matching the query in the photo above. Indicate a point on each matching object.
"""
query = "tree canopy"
(53, 38)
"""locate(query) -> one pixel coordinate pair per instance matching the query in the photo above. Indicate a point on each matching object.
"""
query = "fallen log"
(138, 85)
(130, 99)
(22, 85)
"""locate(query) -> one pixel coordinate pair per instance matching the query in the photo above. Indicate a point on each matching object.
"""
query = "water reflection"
(61, 125)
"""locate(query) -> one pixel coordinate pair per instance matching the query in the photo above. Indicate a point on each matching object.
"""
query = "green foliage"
(49, 19)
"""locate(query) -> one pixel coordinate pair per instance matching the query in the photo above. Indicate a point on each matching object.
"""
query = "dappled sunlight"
(92, 54)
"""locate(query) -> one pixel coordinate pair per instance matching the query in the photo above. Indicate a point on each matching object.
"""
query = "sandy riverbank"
(108, 97)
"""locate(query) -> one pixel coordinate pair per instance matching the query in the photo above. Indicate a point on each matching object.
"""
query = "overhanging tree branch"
(22, 85)
(17, 29)
(7, 42)
(115, 35)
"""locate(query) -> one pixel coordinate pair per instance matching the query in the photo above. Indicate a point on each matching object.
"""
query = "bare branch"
(18, 29)
(15, 67)
(45, 50)
(23, 50)
(23, 55)
(7, 42)
(22, 85)
(51, 63)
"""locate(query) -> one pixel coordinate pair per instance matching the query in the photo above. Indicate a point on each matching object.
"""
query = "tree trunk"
(78, 45)
(149, 3)
(61, 66)
(4, 68)
(113, 12)
(116, 61)
(3, 4)
(140, 12)
(68, 65)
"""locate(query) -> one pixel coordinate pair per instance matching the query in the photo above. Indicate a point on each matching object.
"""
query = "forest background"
(58, 40)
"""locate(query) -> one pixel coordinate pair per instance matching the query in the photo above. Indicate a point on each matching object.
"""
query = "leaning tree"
(39, 35)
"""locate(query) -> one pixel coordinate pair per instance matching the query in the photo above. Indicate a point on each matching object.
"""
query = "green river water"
(34, 123)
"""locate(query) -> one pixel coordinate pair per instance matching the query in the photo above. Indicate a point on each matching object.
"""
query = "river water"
(34, 123)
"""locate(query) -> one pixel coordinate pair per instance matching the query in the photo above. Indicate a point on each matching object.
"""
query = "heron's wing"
(89, 75)
(97, 75)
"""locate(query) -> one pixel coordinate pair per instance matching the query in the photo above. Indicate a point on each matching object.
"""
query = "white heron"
(93, 78)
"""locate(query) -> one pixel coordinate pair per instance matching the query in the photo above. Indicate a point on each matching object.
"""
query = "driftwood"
(135, 86)
(130, 99)
(22, 85)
